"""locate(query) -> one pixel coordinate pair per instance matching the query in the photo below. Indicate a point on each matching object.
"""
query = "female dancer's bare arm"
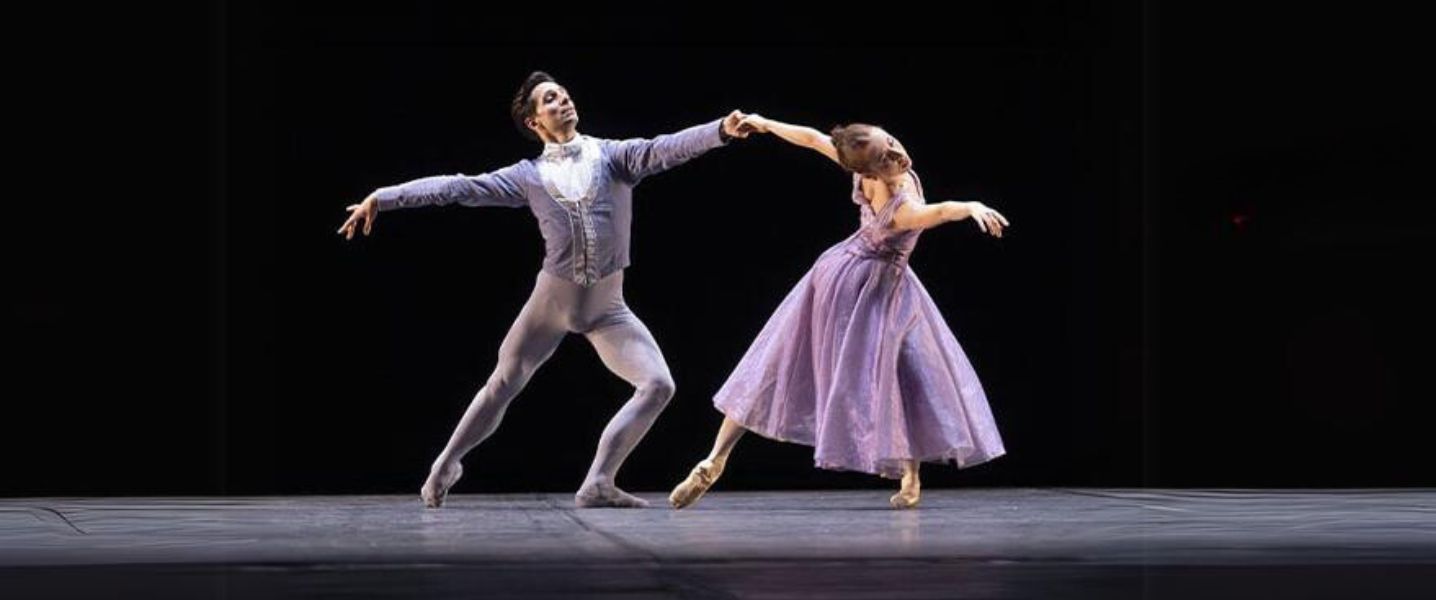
(797, 135)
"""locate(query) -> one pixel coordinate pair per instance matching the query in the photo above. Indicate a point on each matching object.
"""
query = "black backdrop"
(1215, 276)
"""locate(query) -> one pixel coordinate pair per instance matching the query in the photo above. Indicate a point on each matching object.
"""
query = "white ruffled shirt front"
(570, 167)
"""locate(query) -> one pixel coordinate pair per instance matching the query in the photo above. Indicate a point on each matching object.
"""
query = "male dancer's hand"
(365, 212)
(731, 122)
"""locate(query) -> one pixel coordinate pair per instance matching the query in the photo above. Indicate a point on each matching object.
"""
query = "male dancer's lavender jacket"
(585, 235)
(581, 192)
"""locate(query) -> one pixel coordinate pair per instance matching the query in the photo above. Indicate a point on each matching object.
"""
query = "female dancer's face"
(554, 110)
(889, 159)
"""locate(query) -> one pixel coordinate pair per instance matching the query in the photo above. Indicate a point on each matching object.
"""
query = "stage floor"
(961, 543)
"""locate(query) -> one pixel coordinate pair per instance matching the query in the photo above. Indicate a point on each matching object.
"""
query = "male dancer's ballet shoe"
(436, 487)
(596, 495)
(699, 480)
(905, 498)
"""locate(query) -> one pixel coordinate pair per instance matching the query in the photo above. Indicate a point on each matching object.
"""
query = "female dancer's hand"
(990, 221)
(754, 122)
(365, 212)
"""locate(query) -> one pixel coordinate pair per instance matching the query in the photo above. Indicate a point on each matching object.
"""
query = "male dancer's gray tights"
(556, 308)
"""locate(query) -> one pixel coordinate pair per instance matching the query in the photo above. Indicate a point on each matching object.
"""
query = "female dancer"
(857, 361)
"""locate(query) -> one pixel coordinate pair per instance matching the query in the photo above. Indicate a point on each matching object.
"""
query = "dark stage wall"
(1215, 275)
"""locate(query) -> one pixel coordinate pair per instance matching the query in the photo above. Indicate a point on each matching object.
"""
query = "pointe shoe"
(699, 480)
(907, 497)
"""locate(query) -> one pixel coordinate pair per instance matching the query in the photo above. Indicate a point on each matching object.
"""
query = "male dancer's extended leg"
(531, 340)
(628, 349)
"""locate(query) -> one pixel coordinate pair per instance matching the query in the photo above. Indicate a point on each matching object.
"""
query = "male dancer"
(580, 190)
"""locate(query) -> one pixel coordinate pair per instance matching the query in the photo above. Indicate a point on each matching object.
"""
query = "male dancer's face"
(555, 117)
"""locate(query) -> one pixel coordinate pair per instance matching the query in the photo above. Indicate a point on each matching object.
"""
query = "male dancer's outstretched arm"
(499, 188)
(638, 158)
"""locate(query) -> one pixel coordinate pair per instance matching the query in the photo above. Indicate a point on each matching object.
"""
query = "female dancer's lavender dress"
(858, 363)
